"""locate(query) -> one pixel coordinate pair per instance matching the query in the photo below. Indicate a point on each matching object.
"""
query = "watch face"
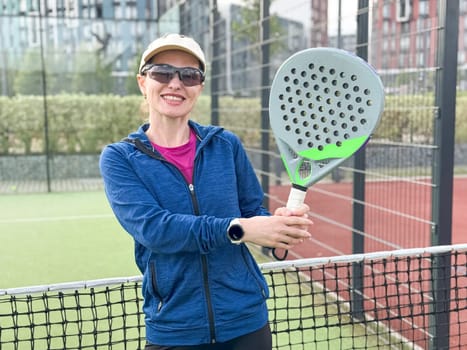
(236, 232)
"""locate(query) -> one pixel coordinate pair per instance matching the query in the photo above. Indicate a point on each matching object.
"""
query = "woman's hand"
(301, 211)
(285, 229)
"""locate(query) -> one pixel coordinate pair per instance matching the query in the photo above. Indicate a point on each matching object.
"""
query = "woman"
(189, 197)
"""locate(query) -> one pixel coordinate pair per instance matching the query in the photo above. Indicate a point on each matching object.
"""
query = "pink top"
(181, 156)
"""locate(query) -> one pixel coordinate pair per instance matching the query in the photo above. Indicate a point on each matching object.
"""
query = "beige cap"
(173, 42)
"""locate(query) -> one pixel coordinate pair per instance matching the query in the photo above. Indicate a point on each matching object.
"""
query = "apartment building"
(114, 33)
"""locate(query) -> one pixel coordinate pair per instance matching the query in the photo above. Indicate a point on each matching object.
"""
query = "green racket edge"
(346, 150)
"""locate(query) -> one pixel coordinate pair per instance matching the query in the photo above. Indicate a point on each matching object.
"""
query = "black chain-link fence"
(68, 87)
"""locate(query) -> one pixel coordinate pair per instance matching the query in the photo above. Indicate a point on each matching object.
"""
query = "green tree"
(131, 86)
(247, 27)
(28, 80)
(90, 74)
(55, 69)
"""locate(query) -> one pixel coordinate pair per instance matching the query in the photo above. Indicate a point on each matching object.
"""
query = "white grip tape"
(296, 198)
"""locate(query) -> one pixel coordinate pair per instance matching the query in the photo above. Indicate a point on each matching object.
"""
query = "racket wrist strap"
(296, 196)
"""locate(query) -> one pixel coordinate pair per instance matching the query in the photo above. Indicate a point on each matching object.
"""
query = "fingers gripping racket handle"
(296, 197)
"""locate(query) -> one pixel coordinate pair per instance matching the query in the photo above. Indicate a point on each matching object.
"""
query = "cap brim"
(148, 56)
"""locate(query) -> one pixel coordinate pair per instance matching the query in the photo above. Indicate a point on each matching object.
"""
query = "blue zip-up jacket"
(198, 287)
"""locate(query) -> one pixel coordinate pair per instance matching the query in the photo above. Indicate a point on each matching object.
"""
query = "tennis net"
(404, 299)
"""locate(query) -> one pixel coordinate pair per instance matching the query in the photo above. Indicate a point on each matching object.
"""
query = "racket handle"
(296, 196)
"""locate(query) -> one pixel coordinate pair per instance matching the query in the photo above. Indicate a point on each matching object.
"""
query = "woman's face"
(172, 99)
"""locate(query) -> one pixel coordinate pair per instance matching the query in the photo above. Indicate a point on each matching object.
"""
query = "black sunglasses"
(164, 73)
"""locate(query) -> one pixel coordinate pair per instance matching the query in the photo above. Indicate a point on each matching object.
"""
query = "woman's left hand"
(301, 211)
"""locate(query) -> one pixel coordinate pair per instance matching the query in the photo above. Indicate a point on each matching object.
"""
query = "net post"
(442, 168)
(440, 307)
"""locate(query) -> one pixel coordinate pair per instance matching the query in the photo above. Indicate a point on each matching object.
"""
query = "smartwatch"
(235, 231)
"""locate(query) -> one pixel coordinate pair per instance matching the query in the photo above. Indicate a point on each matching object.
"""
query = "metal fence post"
(358, 210)
(443, 166)
(44, 97)
(215, 64)
(265, 46)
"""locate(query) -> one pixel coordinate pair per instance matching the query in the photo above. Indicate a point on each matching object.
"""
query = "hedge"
(85, 123)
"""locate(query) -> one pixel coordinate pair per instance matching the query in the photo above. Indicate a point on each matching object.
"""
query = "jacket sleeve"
(250, 192)
(141, 216)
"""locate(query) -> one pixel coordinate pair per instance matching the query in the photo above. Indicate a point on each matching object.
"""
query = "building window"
(387, 10)
(403, 10)
(405, 43)
(463, 6)
(386, 45)
(423, 8)
(421, 59)
(386, 29)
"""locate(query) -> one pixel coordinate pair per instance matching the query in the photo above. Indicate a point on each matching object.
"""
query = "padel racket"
(324, 105)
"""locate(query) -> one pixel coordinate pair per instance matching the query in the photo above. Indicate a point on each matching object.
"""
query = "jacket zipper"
(154, 286)
(204, 262)
(138, 144)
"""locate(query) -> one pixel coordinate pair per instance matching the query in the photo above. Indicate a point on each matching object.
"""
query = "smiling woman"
(188, 195)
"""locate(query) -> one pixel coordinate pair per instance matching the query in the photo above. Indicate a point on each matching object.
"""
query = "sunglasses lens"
(165, 73)
(191, 76)
(161, 74)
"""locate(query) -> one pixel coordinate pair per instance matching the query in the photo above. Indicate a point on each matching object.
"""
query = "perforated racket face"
(324, 105)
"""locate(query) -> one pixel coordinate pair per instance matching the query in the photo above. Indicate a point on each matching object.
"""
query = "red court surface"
(404, 222)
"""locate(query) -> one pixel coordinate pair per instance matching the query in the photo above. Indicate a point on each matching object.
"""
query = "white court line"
(56, 218)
